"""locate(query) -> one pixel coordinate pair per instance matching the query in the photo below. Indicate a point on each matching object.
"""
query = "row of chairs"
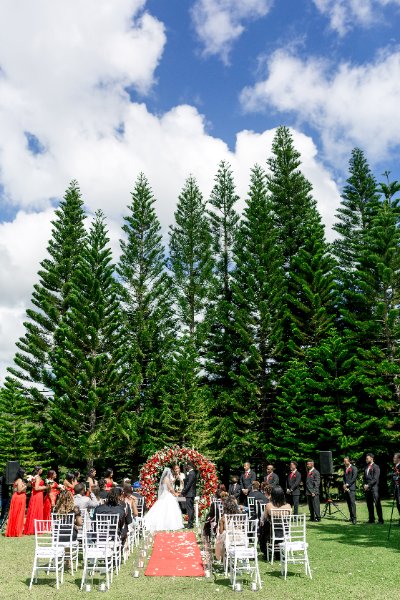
(98, 541)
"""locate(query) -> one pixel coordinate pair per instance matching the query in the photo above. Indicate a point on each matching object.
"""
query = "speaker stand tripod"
(329, 503)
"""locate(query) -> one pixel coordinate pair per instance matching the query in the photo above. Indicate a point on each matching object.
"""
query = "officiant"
(178, 483)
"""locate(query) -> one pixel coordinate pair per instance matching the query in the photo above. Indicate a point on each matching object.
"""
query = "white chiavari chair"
(243, 553)
(98, 553)
(111, 522)
(280, 528)
(294, 549)
(234, 525)
(48, 551)
(71, 546)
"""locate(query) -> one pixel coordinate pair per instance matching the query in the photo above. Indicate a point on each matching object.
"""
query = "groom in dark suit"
(189, 491)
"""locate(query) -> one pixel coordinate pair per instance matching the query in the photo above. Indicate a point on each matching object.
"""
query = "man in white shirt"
(81, 501)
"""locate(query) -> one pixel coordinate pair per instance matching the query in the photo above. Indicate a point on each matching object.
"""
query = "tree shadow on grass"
(361, 535)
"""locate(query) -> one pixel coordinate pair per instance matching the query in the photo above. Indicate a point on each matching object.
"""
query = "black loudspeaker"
(11, 471)
(326, 463)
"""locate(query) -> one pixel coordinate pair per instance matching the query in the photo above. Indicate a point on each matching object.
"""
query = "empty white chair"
(294, 549)
(243, 557)
(98, 553)
(234, 524)
(48, 551)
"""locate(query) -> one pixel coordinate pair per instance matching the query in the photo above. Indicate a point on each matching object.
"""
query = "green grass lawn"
(347, 561)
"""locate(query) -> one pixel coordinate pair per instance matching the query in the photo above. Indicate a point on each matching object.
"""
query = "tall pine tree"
(50, 300)
(16, 430)
(90, 371)
(146, 295)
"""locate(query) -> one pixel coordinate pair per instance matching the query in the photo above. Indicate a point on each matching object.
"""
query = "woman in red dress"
(16, 516)
(108, 478)
(51, 495)
(35, 508)
(69, 483)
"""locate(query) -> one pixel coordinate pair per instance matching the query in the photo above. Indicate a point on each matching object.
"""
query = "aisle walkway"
(175, 554)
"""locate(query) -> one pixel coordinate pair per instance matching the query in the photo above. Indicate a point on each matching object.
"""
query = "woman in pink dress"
(35, 508)
(16, 516)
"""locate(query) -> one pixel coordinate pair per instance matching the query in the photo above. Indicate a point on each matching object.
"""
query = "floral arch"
(151, 472)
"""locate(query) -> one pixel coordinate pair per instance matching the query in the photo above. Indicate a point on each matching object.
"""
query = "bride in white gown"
(165, 514)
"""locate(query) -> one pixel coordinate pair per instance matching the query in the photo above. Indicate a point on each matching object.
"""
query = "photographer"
(396, 479)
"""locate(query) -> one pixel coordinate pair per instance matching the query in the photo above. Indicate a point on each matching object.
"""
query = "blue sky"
(171, 87)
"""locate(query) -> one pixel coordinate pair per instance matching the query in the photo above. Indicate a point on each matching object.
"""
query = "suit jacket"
(234, 490)
(272, 479)
(189, 489)
(246, 482)
(371, 476)
(257, 495)
(313, 482)
(293, 483)
(350, 477)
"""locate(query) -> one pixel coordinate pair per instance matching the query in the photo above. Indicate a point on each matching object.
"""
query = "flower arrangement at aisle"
(150, 473)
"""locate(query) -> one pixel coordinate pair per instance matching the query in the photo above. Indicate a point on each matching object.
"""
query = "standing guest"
(51, 494)
(313, 482)
(16, 516)
(108, 478)
(68, 482)
(114, 506)
(103, 494)
(293, 486)
(84, 502)
(234, 488)
(349, 487)
(246, 481)
(271, 477)
(4, 497)
(396, 479)
(189, 492)
(91, 480)
(371, 488)
(35, 508)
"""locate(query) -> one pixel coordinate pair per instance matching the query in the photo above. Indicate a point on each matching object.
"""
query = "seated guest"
(64, 506)
(114, 506)
(81, 501)
(96, 493)
(278, 501)
(234, 488)
(231, 507)
(137, 492)
(267, 491)
(103, 494)
(68, 482)
(130, 499)
(255, 492)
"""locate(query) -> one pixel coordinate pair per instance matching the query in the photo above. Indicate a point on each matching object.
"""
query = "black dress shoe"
(354, 522)
(381, 522)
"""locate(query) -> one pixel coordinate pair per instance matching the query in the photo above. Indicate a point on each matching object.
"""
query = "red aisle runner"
(175, 555)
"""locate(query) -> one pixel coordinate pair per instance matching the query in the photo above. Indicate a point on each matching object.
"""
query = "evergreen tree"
(50, 300)
(257, 284)
(16, 430)
(90, 382)
(306, 303)
(354, 218)
(146, 295)
(190, 257)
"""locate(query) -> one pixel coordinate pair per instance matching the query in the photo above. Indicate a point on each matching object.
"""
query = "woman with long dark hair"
(51, 494)
(69, 483)
(108, 478)
(16, 515)
(35, 508)
(90, 480)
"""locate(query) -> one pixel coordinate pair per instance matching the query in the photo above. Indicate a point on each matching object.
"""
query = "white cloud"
(344, 15)
(349, 105)
(219, 23)
(66, 85)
